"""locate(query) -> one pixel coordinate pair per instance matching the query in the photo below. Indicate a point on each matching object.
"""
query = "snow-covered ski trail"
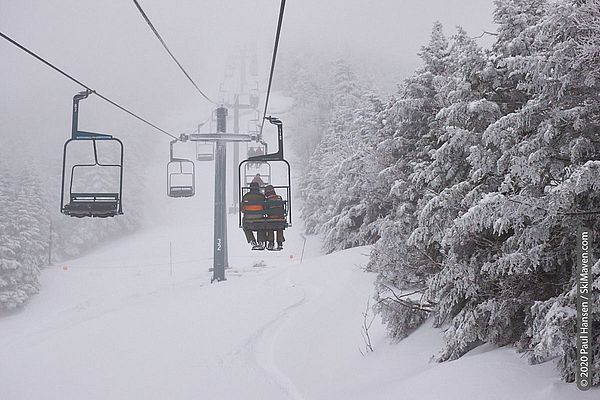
(258, 349)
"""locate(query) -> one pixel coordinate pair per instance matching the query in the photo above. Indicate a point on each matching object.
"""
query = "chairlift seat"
(264, 215)
(181, 191)
(264, 225)
(205, 157)
(101, 205)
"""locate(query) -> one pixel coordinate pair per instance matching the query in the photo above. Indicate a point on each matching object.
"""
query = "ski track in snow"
(258, 349)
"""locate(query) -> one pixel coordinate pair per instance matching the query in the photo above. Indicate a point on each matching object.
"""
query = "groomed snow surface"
(119, 324)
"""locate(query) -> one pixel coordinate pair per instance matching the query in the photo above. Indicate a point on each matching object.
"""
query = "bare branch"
(485, 33)
(413, 305)
(366, 325)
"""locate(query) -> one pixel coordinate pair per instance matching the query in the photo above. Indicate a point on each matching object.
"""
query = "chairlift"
(224, 95)
(91, 203)
(253, 127)
(254, 65)
(260, 171)
(258, 149)
(205, 151)
(257, 167)
(228, 71)
(254, 97)
(181, 176)
(266, 215)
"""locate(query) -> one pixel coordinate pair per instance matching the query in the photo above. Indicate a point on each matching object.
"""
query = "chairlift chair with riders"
(181, 176)
(255, 167)
(256, 170)
(91, 203)
(258, 149)
(268, 215)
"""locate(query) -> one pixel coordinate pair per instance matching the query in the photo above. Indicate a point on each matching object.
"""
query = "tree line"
(471, 181)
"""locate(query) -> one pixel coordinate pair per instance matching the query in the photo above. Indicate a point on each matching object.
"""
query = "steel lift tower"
(220, 138)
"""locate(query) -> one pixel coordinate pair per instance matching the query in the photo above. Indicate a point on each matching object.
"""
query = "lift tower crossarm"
(221, 137)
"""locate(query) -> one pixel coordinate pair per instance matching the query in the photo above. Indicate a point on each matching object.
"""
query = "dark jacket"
(275, 211)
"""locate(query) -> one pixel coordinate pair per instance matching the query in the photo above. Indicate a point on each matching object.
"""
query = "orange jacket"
(253, 197)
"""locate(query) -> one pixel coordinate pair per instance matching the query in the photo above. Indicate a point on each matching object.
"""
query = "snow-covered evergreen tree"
(351, 183)
(326, 168)
(24, 227)
(410, 118)
(509, 275)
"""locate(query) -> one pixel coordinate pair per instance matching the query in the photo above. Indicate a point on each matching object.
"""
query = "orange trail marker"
(65, 268)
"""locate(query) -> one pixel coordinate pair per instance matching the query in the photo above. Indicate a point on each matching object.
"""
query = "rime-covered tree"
(322, 200)
(23, 237)
(457, 127)
(410, 118)
(355, 201)
(509, 276)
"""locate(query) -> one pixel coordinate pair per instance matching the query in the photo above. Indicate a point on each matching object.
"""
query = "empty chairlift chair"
(205, 151)
(181, 176)
(93, 202)
(253, 97)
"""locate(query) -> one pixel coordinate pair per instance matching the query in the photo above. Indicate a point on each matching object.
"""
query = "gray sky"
(107, 45)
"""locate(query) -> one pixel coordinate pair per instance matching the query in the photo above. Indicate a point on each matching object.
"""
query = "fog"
(108, 46)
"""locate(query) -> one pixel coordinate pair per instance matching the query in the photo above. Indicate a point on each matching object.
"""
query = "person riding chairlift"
(257, 179)
(274, 212)
(254, 196)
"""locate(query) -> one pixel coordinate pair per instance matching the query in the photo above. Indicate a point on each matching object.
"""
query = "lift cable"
(279, 23)
(31, 53)
(169, 51)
